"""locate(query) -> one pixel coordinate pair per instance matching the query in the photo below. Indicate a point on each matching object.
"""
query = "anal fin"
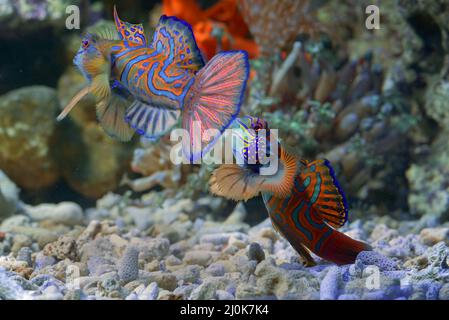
(150, 121)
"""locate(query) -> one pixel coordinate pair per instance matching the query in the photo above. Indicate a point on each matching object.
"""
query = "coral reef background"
(83, 216)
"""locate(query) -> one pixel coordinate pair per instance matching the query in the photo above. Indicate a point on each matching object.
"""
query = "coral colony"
(291, 149)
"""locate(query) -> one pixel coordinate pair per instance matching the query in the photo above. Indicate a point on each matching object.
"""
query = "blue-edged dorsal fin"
(130, 32)
(175, 38)
(150, 121)
(318, 185)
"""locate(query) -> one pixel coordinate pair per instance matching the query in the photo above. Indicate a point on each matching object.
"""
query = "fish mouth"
(73, 102)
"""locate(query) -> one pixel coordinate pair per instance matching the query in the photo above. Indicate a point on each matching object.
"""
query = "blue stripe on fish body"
(131, 63)
(311, 221)
(170, 59)
(296, 220)
(155, 91)
(186, 89)
(170, 79)
(285, 203)
(159, 47)
(317, 189)
(301, 187)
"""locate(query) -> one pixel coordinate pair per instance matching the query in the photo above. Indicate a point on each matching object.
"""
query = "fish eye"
(85, 43)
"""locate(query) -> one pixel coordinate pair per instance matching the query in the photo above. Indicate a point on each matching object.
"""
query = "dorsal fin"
(130, 32)
(106, 32)
(175, 38)
(317, 183)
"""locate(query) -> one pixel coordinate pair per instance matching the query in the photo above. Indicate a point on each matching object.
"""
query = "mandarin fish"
(145, 86)
(304, 200)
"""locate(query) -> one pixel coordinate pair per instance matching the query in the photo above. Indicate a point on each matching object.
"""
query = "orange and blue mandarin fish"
(145, 86)
(304, 200)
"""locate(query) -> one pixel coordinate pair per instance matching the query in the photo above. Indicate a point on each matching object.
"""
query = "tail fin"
(214, 101)
(302, 226)
(341, 249)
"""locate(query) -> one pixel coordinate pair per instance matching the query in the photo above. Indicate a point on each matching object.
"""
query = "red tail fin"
(303, 226)
(341, 249)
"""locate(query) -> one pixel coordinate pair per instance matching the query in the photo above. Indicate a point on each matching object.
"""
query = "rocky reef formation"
(36, 152)
(124, 250)
(366, 100)
(329, 100)
(27, 135)
(9, 197)
(427, 62)
(373, 102)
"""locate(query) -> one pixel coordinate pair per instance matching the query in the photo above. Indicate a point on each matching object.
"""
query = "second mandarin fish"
(145, 86)
(304, 199)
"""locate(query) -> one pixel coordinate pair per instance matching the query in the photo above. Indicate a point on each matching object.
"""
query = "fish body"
(309, 216)
(304, 200)
(145, 86)
(149, 76)
(161, 72)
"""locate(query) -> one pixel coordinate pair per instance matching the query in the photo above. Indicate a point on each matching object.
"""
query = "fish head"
(93, 61)
(90, 58)
(262, 164)
(253, 147)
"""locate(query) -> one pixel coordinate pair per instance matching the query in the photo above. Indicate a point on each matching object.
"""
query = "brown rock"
(93, 161)
(431, 236)
(27, 133)
(64, 247)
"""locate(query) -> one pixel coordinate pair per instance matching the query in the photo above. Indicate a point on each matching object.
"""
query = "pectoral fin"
(111, 115)
(238, 183)
(82, 93)
(100, 87)
(233, 182)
